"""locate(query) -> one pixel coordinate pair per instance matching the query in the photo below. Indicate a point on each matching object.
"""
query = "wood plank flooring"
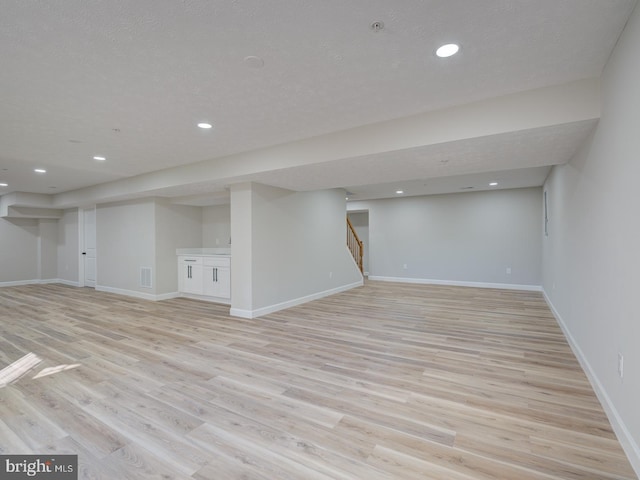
(386, 381)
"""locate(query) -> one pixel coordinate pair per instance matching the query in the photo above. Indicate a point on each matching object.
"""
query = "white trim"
(80, 247)
(133, 293)
(38, 282)
(18, 283)
(501, 286)
(625, 438)
(236, 312)
(48, 280)
(205, 298)
(65, 282)
(167, 296)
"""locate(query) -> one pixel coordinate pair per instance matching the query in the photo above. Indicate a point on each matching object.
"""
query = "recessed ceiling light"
(4, 184)
(493, 184)
(377, 26)
(205, 125)
(39, 170)
(399, 192)
(447, 50)
(253, 61)
(99, 158)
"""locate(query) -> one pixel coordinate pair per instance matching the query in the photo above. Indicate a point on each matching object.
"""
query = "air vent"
(145, 277)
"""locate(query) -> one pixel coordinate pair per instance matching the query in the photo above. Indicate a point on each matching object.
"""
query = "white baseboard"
(237, 312)
(427, 281)
(625, 438)
(167, 296)
(69, 283)
(136, 294)
(205, 298)
(38, 282)
(18, 283)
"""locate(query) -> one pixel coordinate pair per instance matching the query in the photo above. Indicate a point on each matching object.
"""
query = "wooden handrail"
(355, 245)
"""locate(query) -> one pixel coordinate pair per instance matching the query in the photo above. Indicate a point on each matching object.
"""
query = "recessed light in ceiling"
(99, 158)
(4, 184)
(447, 50)
(493, 184)
(253, 61)
(377, 26)
(39, 170)
(399, 192)
(205, 125)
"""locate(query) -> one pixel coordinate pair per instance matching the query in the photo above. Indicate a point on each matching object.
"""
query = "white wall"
(68, 249)
(47, 249)
(457, 238)
(18, 250)
(590, 258)
(177, 226)
(30, 249)
(241, 250)
(216, 226)
(298, 246)
(125, 235)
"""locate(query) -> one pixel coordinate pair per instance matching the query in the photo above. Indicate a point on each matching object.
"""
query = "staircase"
(355, 245)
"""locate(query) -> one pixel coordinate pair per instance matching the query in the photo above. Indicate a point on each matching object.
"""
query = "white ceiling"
(130, 80)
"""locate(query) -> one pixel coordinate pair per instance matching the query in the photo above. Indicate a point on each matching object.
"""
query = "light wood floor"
(387, 381)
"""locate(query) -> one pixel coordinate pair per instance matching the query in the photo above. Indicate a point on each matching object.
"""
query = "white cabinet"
(217, 277)
(206, 276)
(191, 279)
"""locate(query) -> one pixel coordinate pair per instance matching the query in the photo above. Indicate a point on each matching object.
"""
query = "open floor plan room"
(384, 381)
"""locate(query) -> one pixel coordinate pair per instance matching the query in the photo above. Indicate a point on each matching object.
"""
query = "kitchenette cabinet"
(204, 274)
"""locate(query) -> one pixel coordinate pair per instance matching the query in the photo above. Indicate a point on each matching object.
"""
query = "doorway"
(360, 222)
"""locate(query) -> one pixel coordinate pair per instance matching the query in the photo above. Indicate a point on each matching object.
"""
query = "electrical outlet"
(404, 266)
(330, 274)
(620, 365)
(508, 270)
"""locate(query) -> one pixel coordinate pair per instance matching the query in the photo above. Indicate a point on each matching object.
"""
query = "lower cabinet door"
(223, 277)
(217, 281)
(192, 279)
(209, 281)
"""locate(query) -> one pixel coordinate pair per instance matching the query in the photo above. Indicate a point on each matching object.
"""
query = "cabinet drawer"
(217, 261)
(191, 260)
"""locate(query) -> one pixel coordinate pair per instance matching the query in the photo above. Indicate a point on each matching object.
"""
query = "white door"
(89, 251)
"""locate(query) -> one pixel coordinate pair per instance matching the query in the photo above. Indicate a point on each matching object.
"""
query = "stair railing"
(355, 245)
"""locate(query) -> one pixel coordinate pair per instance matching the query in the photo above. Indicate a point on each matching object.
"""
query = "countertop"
(203, 251)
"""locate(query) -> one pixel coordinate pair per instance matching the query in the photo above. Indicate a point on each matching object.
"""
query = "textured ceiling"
(130, 79)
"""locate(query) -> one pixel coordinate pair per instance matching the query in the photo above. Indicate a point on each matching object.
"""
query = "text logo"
(51, 467)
